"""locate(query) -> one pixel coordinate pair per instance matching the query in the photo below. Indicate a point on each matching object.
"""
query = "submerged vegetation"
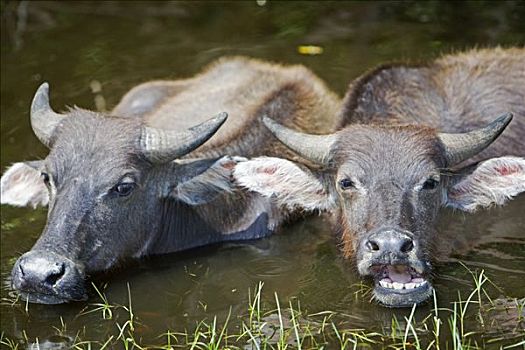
(270, 323)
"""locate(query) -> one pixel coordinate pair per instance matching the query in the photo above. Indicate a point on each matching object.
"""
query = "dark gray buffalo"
(116, 185)
(389, 170)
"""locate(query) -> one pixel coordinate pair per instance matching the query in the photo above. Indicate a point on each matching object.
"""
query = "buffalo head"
(104, 181)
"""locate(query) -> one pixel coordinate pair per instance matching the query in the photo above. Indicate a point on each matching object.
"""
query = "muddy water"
(77, 46)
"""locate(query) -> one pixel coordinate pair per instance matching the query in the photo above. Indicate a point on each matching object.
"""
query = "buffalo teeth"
(397, 285)
(420, 284)
(385, 284)
(410, 285)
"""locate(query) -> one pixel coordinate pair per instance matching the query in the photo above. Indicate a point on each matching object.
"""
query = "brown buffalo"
(412, 139)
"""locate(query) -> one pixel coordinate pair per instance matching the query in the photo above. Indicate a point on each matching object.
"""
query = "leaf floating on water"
(310, 50)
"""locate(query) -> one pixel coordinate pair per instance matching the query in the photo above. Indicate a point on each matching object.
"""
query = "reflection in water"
(93, 52)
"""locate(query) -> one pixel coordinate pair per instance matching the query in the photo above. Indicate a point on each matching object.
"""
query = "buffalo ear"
(491, 182)
(21, 185)
(207, 184)
(284, 182)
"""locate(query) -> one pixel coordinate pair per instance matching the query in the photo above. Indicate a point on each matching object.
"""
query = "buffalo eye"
(430, 184)
(45, 178)
(346, 184)
(124, 188)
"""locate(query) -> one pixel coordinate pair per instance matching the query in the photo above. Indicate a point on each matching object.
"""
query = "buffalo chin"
(402, 297)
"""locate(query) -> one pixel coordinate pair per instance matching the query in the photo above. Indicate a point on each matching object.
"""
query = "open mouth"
(400, 285)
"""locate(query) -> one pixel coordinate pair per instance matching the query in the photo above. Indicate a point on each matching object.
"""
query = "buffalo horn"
(315, 148)
(43, 119)
(459, 147)
(160, 146)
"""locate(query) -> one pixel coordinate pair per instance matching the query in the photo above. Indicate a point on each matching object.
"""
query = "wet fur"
(454, 93)
(247, 89)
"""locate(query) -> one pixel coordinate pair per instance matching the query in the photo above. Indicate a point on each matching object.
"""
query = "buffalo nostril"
(54, 276)
(372, 245)
(48, 278)
(407, 246)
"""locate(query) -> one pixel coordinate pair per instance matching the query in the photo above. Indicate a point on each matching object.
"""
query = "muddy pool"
(92, 53)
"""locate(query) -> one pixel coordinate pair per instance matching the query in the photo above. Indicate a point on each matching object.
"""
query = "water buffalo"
(407, 135)
(130, 183)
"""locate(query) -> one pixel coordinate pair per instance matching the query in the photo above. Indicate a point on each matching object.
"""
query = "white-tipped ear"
(21, 186)
(283, 181)
(492, 182)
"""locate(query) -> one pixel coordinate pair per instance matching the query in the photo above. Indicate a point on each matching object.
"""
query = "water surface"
(118, 45)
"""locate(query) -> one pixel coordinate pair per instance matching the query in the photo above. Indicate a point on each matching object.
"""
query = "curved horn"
(43, 119)
(160, 146)
(312, 147)
(459, 147)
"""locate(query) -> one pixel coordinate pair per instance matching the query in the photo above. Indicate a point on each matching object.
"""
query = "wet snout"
(48, 278)
(389, 246)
